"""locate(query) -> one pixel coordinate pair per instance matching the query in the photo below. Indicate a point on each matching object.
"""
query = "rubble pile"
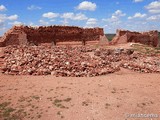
(143, 63)
(78, 61)
(58, 61)
(129, 59)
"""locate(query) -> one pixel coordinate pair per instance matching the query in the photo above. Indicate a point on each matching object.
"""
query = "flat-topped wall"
(50, 34)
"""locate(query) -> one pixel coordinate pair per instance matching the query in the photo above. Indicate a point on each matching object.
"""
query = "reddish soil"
(108, 97)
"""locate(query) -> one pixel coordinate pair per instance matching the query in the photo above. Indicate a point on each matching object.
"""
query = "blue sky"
(135, 15)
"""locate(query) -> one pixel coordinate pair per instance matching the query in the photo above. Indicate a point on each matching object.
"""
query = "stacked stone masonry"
(148, 38)
(23, 35)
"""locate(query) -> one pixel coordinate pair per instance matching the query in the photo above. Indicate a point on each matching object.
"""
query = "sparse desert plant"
(58, 103)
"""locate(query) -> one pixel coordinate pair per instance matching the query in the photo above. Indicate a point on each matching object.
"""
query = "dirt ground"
(110, 97)
(116, 96)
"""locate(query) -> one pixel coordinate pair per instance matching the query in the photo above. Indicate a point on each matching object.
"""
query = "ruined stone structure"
(23, 35)
(124, 36)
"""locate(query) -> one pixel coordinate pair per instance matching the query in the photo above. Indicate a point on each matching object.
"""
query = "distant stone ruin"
(124, 36)
(25, 35)
(66, 35)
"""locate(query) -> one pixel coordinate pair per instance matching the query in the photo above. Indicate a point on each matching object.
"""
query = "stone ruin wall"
(148, 38)
(24, 35)
(52, 34)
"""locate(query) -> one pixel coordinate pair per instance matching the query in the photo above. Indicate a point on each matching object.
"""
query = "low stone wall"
(148, 38)
(52, 34)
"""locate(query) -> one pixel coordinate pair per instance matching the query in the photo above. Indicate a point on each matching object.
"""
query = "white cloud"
(52, 20)
(42, 22)
(31, 24)
(2, 23)
(64, 22)
(68, 15)
(137, 15)
(33, 7)
(72, 16)
(91, 21)
(115, 18)
(2, 8)
(119, 13)
(2, 29)
(80, 16)
(130, 17)
(12, 17)
(5, 20)
(138, 1)
(154, 11)
(50, 15)
(16, 23)
(4, 17)
(153, 7)
(86, 5)
(154, 18)
(114, 22)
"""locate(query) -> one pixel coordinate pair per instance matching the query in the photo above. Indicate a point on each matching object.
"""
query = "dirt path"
(108, 97)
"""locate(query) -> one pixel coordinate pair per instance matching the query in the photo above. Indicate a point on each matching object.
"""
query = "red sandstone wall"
(93, 34)
(62, 34)
(51, 34)
(10, 38)
(148, 38)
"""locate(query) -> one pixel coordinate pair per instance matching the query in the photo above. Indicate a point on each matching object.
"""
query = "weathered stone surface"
(79, 61)
(124, 36)
(23, 35)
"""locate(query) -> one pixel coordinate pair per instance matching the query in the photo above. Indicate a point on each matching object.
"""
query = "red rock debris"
(79, 61)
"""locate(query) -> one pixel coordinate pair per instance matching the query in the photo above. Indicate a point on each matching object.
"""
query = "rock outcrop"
(124, 36)
(23, 35)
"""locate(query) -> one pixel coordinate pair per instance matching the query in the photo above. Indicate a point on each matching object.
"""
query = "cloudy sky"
(137, 15)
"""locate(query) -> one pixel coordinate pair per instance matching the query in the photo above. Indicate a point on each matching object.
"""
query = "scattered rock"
(74, 61)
